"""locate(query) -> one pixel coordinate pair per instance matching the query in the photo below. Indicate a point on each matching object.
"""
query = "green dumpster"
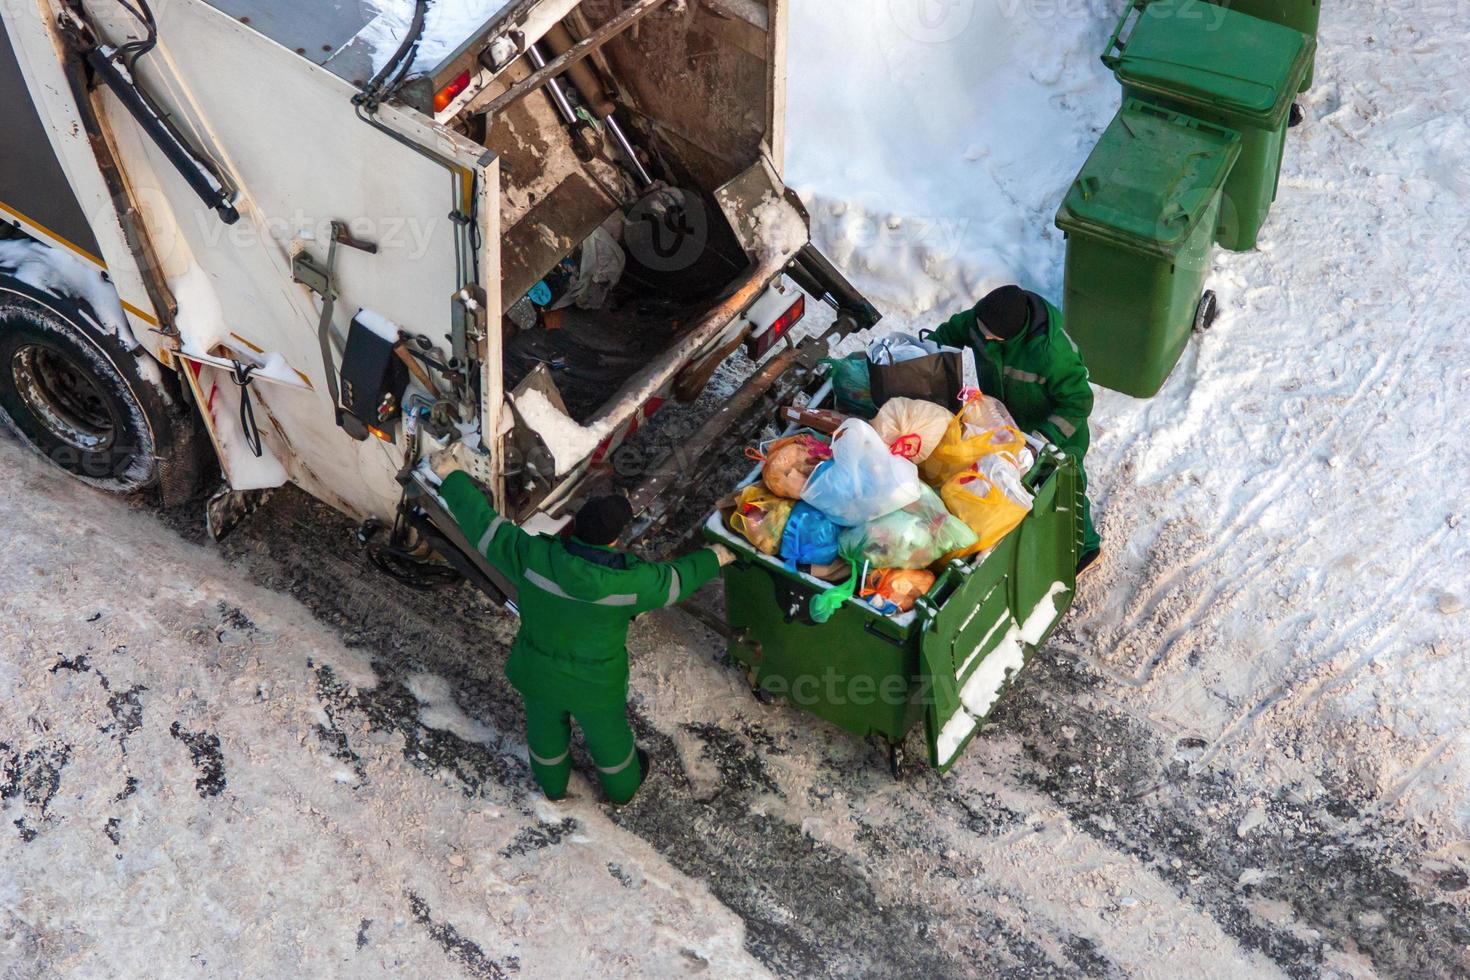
(1140, 220)
(1233, 70)
(1299, 15)
(943, 663)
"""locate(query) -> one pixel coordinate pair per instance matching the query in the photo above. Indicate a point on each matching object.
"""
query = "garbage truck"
(311, 243)
(314, 243)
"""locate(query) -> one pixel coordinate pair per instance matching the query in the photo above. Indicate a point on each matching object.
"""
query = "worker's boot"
(643, 766)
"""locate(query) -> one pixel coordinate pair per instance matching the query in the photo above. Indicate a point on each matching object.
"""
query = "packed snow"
(448, 24)
(59, 272)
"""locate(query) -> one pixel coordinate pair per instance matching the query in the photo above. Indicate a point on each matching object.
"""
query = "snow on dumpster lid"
(354, 38)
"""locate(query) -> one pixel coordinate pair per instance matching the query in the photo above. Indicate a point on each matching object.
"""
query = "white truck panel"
(247, 102)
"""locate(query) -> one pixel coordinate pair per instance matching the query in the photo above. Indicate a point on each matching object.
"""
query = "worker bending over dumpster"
(576, 598)
(1024, 357)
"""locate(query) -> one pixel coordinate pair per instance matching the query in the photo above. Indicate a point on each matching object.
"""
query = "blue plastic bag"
(810, 537)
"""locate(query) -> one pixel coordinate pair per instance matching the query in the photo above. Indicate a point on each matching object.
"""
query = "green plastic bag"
(852, 391)
(825, 604)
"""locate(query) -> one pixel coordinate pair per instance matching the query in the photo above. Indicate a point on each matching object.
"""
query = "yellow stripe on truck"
(147, 318)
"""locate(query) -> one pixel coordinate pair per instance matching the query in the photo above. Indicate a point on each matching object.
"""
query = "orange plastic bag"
(990, 499)
(789, 463)
(761, 517)
(982, 427)
(895, 590)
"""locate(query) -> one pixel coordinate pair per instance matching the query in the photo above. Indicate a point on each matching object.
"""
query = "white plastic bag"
(896, 348)
(912, 427)
(863, 481)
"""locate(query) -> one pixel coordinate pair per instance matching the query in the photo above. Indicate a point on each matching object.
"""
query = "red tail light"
(446, 94)
(783, 323)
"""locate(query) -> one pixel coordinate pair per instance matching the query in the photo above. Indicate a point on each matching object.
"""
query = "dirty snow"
(568, 442)
(171, 758)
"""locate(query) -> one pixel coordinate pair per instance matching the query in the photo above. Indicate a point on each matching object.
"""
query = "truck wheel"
(72, 392)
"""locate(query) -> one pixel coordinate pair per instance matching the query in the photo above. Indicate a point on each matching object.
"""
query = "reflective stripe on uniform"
(489, 534)
(614, 770)
(1020, 375)
(1067, 429)
(674, 588)
(547, 585)
(549, 762)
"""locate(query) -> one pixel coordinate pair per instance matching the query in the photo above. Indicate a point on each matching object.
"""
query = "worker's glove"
(724, 554)
(443, 464)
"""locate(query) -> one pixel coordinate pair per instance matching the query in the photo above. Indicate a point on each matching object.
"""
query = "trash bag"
(761, 517)
(912, 427)
(905, 366)
(852, 392)
(863, 480)
(789, 462)
(916, 536)
(895, 590)
(980, 428)
(810, 538)
(990, 499)
(824, 604)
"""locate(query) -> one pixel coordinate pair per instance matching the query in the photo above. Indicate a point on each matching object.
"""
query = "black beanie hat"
(1003, 311)
(602, 520)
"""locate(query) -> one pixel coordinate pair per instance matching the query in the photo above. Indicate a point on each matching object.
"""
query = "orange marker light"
(446, 94)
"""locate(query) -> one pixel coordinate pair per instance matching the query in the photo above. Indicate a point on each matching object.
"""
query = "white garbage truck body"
(294, 202)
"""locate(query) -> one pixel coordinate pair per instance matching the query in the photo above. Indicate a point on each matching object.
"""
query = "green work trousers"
(609, 741)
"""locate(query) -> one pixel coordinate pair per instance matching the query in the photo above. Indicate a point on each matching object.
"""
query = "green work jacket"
(576, 601)
(1038, 373)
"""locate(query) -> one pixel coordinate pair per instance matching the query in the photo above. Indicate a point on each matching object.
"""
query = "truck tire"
(76, 395)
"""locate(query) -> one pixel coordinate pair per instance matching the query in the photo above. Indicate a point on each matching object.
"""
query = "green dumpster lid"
(1150, 179)
(1212, 56)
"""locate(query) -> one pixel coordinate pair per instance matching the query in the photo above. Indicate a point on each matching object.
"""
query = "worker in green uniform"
(1024, 357)
(577, 597)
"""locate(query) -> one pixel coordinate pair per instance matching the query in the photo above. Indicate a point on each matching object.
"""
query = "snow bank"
(1284, 556)
(932, 141)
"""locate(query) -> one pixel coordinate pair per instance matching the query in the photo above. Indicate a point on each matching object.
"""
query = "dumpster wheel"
(756, 691)
(893, 751)
(1207, 311)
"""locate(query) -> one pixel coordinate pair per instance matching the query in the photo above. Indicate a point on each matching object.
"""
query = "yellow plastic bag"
(761, 517)
(981, 428)
(990, 499)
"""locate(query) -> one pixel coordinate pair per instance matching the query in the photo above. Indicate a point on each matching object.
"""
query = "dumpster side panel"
(855, 670)
(978, 643)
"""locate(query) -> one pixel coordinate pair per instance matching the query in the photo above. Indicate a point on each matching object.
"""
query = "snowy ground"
(1244, 754)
